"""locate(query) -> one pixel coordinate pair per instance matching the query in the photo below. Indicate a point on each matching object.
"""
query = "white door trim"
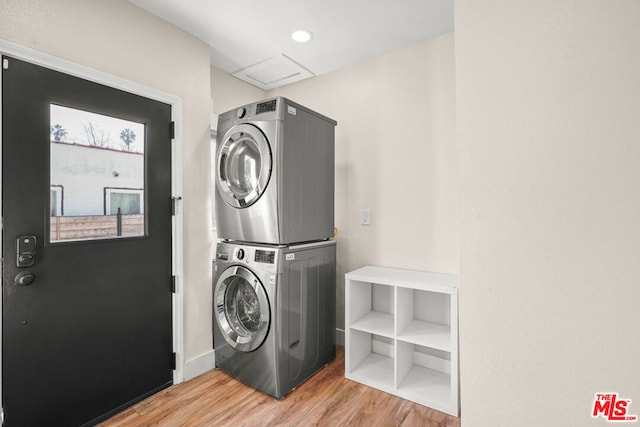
(67, 67)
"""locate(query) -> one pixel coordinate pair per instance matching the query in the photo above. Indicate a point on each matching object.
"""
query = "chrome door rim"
(233, 136)
(243, 341)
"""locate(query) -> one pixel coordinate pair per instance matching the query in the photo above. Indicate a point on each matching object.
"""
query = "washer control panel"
(260, 258)
(268, 257)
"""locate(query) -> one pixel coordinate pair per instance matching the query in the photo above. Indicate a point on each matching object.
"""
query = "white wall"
(547, 127)
(85, 171)
(395, 154)
(119, 38)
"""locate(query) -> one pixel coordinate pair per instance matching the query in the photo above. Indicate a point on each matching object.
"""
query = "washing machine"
(275, 173)
(274, 313)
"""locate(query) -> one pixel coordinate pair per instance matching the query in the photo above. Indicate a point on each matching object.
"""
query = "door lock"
(26, 251)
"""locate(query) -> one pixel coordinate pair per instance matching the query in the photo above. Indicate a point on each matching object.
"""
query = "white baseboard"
(199, 365)
(339, 337)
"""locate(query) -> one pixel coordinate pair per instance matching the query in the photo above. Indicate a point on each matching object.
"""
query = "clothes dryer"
(275, 174)
(274, 313)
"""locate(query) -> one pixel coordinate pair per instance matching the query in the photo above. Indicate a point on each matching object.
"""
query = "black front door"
(86, 247)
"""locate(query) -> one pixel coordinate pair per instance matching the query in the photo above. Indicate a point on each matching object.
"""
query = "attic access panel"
(274, 72)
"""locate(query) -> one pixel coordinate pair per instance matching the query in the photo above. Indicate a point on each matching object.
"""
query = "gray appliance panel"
(308, 317)
(302, 298)
(306, 179)
(258, 222)
(298, 203)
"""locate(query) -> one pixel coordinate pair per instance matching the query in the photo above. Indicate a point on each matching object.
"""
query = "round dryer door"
(243, 165)
(242, 308)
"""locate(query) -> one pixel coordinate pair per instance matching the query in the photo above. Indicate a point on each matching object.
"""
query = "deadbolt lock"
(26, 251)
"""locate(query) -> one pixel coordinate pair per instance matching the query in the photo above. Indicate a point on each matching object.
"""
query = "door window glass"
(242, 307)
(243, 167)
(99, 162)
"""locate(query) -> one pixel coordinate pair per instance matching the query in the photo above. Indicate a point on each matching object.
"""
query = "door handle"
(24, 278)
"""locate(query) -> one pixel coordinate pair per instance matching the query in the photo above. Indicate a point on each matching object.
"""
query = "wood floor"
(327, 399)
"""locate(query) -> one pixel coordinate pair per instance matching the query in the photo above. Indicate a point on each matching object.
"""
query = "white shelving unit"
(401, 334)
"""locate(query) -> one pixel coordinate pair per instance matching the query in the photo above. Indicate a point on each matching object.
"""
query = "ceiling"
(251, 39)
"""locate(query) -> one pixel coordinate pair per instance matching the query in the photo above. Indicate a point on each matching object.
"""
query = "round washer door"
(242, 308)
(243, 165)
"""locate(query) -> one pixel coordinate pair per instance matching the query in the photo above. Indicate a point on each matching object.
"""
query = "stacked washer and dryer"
(275, 266)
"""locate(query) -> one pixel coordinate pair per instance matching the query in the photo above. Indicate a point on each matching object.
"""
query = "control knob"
(241, 112)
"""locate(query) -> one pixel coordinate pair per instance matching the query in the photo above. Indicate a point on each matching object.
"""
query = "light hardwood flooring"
(326, 399)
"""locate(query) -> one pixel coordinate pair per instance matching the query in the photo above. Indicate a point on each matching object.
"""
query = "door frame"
(86, 73)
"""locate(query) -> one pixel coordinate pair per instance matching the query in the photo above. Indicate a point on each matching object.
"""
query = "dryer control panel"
(266, 106)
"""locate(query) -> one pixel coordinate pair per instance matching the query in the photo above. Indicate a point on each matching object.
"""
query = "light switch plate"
(365, 216)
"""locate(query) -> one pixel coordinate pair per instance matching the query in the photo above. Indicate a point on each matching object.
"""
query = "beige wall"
(227, 92)
(547, 127)
(118, 38)
(395, 154)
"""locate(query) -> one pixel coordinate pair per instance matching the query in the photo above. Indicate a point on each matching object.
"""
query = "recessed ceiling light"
(301, 36)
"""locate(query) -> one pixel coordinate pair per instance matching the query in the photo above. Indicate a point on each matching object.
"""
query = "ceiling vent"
(274, 72)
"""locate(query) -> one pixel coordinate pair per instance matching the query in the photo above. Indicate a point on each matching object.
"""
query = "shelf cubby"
(401, 334)
(424, 318)
(373, 308)
(372, 359)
